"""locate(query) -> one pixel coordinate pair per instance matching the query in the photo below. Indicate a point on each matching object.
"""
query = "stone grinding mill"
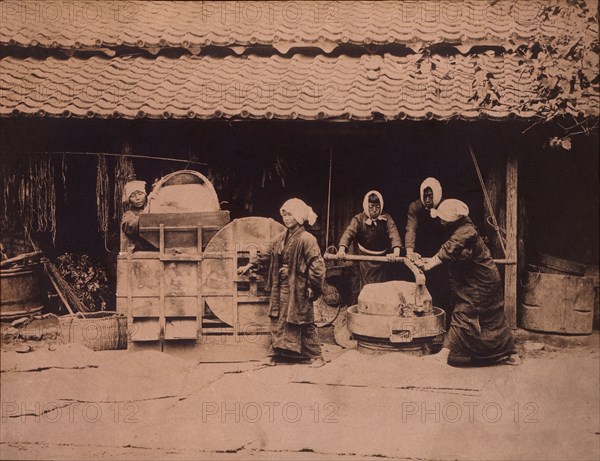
(394, 316)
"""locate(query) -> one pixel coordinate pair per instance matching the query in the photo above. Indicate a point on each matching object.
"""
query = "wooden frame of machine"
(189, 287)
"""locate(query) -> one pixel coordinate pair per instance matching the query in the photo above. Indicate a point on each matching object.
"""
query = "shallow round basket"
(99, 331)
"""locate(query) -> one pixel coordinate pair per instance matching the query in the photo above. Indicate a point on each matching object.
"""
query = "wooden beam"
(510, 271)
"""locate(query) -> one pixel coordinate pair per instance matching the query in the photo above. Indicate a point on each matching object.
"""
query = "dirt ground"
(73, 403)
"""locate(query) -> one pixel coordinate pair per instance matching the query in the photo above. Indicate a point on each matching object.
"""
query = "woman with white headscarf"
(135, 201)
(296, 274)
(424, 235)
(376, 234)
(423, 232)
(478, 328)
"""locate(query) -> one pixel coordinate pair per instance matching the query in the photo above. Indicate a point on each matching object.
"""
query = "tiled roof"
(269, 87)
(323, 24)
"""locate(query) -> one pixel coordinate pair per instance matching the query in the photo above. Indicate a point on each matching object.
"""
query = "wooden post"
(234, 285)
(162, 321)
(200, 307)
(130, 329)
(510, 271)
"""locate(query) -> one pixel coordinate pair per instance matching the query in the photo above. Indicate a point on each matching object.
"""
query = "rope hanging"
(492, 216)
(328, 198)
(102, 197)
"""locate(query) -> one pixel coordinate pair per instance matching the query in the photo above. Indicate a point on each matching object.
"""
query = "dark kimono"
(374, 238)
(295, 264)
(424, 235)
(130, 224)
(478, 328)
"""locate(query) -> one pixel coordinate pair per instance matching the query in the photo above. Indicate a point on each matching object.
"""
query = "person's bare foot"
(268, 362)
(513, 359)
(317, 362)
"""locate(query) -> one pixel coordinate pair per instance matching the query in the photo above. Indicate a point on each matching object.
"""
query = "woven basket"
(331, 295)
(99, 331)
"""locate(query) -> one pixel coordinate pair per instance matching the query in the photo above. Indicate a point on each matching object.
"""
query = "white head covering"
(450, 210)
(366, 206)
(131, 187)
(301, 212)
(436, 188)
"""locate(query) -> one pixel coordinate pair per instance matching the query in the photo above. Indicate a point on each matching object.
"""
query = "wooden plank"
(200, 311)
(122, 280)
(253, 281)
(219, 255)
(495, 183)
(129, 301)
(180, 257)
(250, 299)
(145, 277)
(181, 228)
(510, 271)
(200, 306)
(137, 256)
(161, 305)
(161, 238)
(181, 279)
(147, 306)
(181, 328)
(234, 289)
(212, 218)
(145, 329)
(179, 306)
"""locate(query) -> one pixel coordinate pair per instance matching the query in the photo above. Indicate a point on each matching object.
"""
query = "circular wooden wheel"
(238, 300)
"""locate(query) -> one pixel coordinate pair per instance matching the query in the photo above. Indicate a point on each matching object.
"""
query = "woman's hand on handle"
(242, 270)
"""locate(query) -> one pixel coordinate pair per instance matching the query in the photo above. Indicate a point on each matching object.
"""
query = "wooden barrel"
(557, 303)
(20, 292)
(554, 265)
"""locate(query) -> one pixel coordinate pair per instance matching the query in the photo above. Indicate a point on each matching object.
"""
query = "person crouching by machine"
(376, 234)
(478, 329)
(135, 201)
(296, 275)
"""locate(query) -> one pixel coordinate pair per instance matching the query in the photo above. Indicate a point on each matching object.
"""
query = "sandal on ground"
(268, 362)
(512, 359)
(317, 362)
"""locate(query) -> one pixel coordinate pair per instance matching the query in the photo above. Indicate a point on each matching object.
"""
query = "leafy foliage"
(565, 67)
(87, 278)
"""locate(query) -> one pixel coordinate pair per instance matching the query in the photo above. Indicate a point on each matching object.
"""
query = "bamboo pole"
(147, 157)
(418, 273)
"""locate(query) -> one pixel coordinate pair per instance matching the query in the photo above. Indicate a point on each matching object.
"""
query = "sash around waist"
(371, 252)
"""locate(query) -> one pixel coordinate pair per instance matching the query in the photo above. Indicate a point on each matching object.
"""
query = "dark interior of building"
(256, 165)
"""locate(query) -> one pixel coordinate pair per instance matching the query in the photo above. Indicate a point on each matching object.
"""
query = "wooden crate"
(181, 231)
(160, 292)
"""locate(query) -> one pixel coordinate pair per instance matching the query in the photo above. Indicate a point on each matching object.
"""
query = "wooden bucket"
(557, 303)
(20, 292)
(554, 265)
